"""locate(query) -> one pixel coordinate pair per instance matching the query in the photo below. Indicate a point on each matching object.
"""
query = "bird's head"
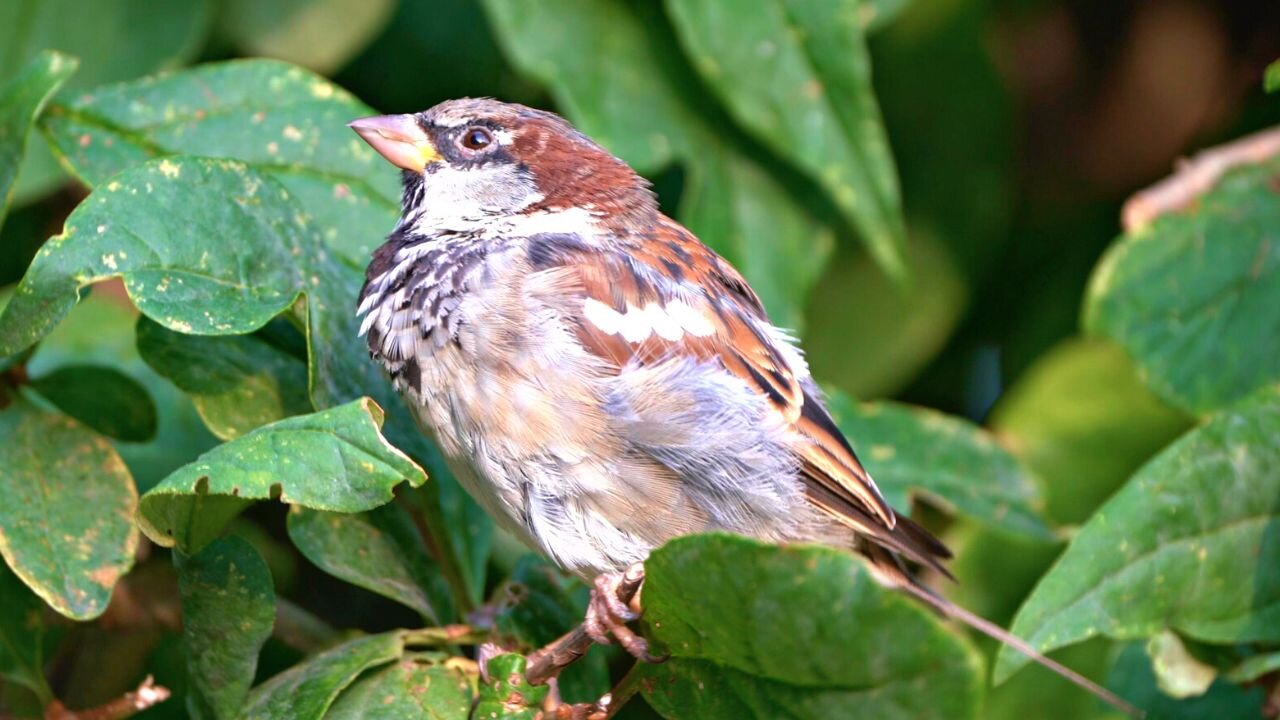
(472, 160)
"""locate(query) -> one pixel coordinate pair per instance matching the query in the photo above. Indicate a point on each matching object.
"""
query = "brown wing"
(671, 266)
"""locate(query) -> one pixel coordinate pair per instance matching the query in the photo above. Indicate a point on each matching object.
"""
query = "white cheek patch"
(637, 324)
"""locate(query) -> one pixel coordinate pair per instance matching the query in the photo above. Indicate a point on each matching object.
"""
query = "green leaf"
(237, 382)
(102, 398)
(1195, 297)
(855, 306)
(796, 74)
(228, 609)
(1271, 78)
(22, 636)
(1081, 418)
(66, 523)
(306, 690)
(21, 101)
(320, 35)
(732, 201)
(798, 632)
(910, 449)
(114, 40)
(537, 604)
(420, 685)
(507, 694)
(330, 460)
(380, 551)
(1189, 544)
(281, 120)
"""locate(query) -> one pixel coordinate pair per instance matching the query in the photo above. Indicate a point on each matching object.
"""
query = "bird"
(600, 380)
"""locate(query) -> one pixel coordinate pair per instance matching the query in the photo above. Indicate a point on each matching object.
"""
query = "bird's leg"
(615, 601)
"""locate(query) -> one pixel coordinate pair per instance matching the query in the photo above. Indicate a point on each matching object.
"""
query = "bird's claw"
(615, 601)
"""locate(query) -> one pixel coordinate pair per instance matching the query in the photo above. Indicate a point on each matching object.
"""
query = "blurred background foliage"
(940, 258)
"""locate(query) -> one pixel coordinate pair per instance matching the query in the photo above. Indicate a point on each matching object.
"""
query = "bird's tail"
(888, 566)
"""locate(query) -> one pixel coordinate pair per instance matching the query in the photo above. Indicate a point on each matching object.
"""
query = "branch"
(1194, 176)
(127, 705)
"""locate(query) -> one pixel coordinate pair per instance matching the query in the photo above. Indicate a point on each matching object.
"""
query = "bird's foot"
(615, 601)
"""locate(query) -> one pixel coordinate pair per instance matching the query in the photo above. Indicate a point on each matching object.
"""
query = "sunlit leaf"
(283, 121)
(1188, 544)
(334, 459)
(66, 523)
(1195, 297)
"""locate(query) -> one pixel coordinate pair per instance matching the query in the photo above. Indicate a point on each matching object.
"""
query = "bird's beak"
(399, 139)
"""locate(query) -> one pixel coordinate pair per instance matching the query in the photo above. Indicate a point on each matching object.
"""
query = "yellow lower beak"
(399, 139)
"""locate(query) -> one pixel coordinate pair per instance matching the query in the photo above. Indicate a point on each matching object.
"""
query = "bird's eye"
(476, 139)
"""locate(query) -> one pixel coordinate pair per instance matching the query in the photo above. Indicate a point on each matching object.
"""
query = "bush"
(181, 363)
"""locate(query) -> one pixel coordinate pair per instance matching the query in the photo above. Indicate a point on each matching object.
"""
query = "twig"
(1195, 175)
(127, 705)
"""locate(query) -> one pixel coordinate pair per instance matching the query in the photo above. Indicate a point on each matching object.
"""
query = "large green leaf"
(228, 609)
(334, 459)
(1195, 297)
(379, 550)
(306, 690)
(237, 382)
(66, 522)
(799, 632)
(103, 398)
(21, 636)
(21, 101)
(420, 685)
(114, 40)
(283, 121)
(1189, 544)
(797, 75)
(731, 201)
(1081, 418)
(909, 449)
(319, 34)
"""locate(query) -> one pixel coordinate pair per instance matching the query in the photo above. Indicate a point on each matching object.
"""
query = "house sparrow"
(599, 380)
